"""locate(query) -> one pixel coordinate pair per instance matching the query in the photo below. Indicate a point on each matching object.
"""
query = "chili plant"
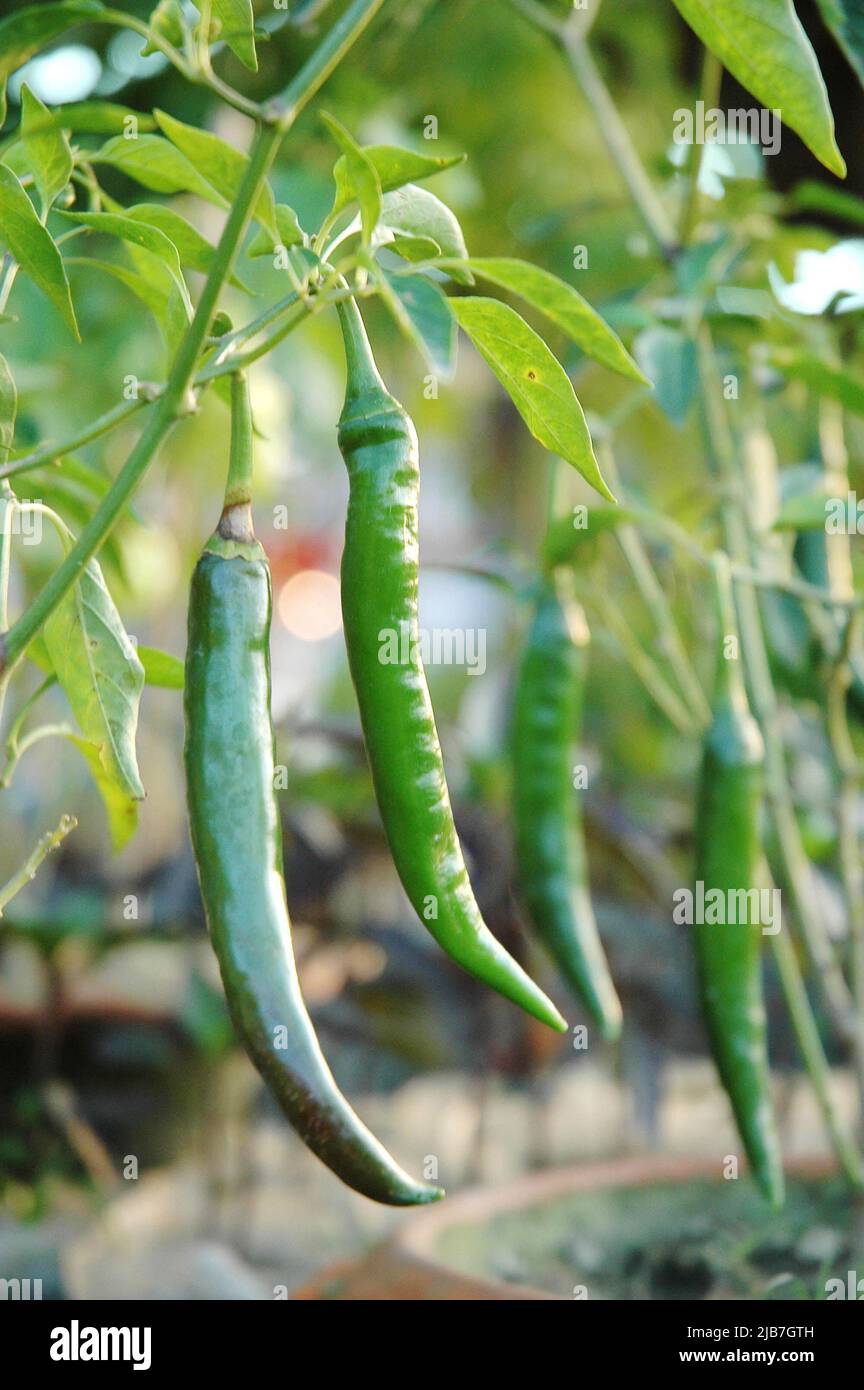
(386, 236)
(709, 329)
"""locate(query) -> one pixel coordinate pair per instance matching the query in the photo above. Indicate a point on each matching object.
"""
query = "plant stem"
(171, 404)
(27, 872)
(709, 88)
(15, 749)
(835, 462)
(10, 503)
(49, 453)
(326, 58)
(202, 76)
(643, 666)
(571, 38)
(168, 409)
(654, 597)
(813, 1053)
(797, 869)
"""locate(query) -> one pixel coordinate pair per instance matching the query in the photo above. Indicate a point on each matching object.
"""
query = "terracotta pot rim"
(414, 1243)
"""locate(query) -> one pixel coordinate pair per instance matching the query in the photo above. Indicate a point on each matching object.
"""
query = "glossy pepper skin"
(549, 841)
(236, 837)
(379, 600)
(728, 954)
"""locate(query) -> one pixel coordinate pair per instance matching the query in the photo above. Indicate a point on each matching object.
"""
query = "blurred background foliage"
(120, 1004)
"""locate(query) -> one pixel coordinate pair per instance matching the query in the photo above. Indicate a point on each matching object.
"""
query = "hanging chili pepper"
(236, 835)
(728, 858)
(379, 602)
(549, 840)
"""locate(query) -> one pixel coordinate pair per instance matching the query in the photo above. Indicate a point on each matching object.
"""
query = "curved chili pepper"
(236, 835)
(728, 953)
(549, 840)
(379, 598)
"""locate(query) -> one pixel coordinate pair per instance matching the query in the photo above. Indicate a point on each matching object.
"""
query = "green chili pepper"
(237, 840)
(379, 606)
(550, 847)
(728, 951)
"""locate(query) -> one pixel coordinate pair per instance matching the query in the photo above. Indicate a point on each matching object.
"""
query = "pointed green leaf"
(192, 248)
(422, 312)
(100, 118)
(166, 23)
(46, 146)
(120, 806)
(535, 381)
(394, 167)
(32, 246)
(361, 175)
(102, 677)
(418, 213)
(563, 305)
(158, 165)
(140, 234)
(238, 29)
(845, 19)
(762, 43)
(161, 668)
(25, 31)
(153, 293)
(219, 163)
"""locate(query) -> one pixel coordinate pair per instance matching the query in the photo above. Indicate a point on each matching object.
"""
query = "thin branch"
(27, 872)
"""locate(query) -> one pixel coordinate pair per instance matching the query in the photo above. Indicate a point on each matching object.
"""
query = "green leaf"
(811, 196)
(418, 213)
(839, 385)
(563, 305)
(422, 312)
(46, 146)
(25, 31)
(140, 234)
(219, 163)
(238, 29)
(192, 248)
(37, 652)
(762, 43)
(361, 175)
(394, 167)
(845, 19)
(102, 677)
(161, 668)
(166, 23)
(535, 381)
(158, 165)
(669, 359)
(151, 293)
(121, 807)
(32, 246)
(100, 118)
(8, 408)
(2, 100)
(567, 537)
(288, 227)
